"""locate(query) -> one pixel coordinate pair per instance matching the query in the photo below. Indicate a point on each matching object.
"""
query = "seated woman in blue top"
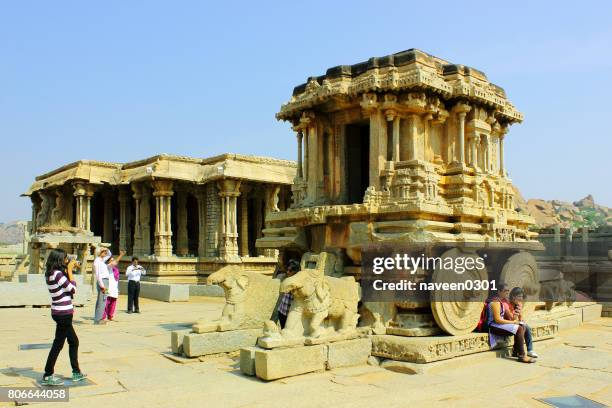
(499, 327)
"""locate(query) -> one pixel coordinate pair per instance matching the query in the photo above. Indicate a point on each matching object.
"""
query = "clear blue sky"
(120, 81)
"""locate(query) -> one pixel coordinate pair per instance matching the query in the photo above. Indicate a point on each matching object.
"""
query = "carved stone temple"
(411, 138)
(184, 217)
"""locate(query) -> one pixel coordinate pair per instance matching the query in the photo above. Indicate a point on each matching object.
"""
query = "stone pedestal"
(429, 349)
(290, 361)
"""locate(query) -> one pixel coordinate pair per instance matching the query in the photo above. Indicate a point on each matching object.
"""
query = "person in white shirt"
(101, 274)
(133, 273)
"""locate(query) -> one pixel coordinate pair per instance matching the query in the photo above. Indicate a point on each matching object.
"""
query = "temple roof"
(405, 70)
(164, 166)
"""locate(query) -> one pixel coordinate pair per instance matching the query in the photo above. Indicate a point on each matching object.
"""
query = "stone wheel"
(522, 270)
(457, 312)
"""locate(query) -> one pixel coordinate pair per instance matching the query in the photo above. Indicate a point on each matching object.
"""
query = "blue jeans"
(528, 340)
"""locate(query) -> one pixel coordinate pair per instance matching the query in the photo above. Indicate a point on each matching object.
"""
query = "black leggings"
(63, 331)
(519, 338)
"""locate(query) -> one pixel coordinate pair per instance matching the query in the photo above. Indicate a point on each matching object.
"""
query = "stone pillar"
(502, 169)
(300, 173)
(229, 191)
(163, 227)
(182, 238)
(35, 209)
(244, 217)
(142, 227)
(313, 163)
(213, 222)
(80, 195)
(461, 109)
(487, 157)
(46, 205)
(378, 146)
(474, 156)
(137, 196)
(258, 218)
(412, 135)
(201, 198)
(107, 234)
(396, 139)
(124, 219)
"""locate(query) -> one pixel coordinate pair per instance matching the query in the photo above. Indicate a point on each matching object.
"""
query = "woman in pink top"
(113, 287)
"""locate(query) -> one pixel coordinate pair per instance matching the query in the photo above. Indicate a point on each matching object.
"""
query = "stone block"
(591, 312)
(571, 321)
(348, 353)
(165, 292)
(206, 290)
(247, 360)
(280, 363)
(195, 344)
(176, 340)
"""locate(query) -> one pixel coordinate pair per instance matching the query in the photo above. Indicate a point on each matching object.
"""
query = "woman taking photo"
(62, 288)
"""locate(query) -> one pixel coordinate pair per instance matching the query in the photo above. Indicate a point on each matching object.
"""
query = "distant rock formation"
(11, 232)
(581, 213)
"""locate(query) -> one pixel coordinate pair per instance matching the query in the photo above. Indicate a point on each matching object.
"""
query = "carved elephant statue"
(321, 304)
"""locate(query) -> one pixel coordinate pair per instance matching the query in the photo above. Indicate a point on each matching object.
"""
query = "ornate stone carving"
(249, 299)
(323, 309)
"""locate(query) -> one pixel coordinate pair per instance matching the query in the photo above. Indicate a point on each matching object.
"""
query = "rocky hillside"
(11, 232)
(581, 213)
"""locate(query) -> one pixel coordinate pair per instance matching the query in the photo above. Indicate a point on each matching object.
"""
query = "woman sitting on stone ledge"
(499, 327)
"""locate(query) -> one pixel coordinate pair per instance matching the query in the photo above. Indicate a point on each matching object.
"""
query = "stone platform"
(429, 349)
(166, 292)
(31, 290)
(286, 362)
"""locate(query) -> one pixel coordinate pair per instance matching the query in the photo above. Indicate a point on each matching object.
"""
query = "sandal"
(526, 360)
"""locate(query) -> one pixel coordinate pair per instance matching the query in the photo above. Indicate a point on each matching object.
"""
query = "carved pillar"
(396, 139)
(45, 209)
(35, 210)
(163, 227)
(80, 194)
(229, 191)
(475, 141)
(124, 219)
(137, 196)
(107, 233)
(378, 147)
(502, 169)
(244, 218)
(201, 199)
(213, 222)
(89, 193)
(182, 238)
(257, 217)
(486, 161)
(300, 173)
(413, 136)
(461, 109)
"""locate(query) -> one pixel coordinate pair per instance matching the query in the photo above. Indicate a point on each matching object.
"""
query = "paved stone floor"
(126, 362)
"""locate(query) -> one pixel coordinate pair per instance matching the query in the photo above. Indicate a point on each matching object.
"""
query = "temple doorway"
(357, 161)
